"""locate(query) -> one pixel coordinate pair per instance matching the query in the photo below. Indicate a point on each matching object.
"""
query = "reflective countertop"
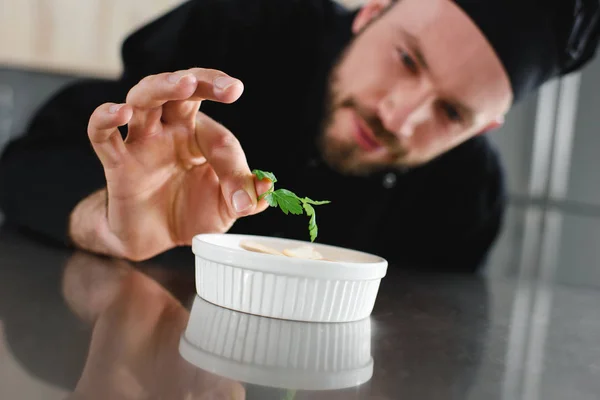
(78, 326)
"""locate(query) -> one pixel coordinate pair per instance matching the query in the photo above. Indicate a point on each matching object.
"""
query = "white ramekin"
(287, 288)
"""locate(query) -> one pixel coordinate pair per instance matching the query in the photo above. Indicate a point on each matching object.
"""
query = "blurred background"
(548, 144)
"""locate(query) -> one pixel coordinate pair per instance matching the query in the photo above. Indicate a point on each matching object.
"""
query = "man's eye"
(451, 112)
(407, 60)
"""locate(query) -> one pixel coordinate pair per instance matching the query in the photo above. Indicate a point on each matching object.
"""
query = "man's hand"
(136, 328)
(178, 172)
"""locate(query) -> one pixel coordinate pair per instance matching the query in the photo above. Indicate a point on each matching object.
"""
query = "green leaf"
(264, 174)
(312, 222)
(290, 203)
(269, 175)
(315, 202)
(287, 201)
(308, 208)
(268, 196)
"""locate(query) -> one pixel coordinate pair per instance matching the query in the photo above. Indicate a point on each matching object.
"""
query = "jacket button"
(389, 180)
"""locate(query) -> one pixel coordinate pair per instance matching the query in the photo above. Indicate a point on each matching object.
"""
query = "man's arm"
(53, 169)
(47, 172)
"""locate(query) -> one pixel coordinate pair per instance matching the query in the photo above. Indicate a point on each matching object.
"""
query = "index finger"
(195, 84)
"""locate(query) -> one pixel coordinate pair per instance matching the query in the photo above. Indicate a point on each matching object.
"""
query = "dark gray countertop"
(105, 329)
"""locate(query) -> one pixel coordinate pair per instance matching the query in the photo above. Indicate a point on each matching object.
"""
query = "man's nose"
(404, 107)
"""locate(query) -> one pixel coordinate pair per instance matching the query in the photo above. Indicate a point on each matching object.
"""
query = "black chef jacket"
(443, 215)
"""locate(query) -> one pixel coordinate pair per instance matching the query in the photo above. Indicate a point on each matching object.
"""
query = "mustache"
(373, 122)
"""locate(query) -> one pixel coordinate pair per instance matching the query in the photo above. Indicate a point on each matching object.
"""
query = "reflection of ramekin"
(277, 353)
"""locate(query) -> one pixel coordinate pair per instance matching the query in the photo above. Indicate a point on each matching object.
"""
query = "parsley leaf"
(264, 174)
(289, 202)
(314, 202)
(312, 222)
(268, 196)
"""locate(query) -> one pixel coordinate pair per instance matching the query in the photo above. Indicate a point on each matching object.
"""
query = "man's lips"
(364, 135)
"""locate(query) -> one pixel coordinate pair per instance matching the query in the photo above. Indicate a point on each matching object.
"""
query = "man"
(379, 110)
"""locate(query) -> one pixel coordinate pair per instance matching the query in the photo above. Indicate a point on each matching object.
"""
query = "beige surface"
(80, 36)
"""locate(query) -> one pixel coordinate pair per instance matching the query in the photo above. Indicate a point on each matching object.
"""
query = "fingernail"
(176, 77)
(114, 108)
(241, 201)
(223, 82)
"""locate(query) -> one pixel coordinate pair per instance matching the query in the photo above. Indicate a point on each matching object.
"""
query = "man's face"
(418, 79)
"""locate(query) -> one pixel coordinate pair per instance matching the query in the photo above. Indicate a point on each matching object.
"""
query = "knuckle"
(225, 143)
(130, 95)
(144, 83)
(225, 153)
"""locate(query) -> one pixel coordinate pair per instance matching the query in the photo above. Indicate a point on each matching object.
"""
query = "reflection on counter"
(277, 353)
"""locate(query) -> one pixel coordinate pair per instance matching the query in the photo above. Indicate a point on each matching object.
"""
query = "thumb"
(241, 198)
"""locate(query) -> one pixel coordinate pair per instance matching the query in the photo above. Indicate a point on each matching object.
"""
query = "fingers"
(192, 85)
(150, 94)
(176, 97)
(104, 134)
(215, 85)
(262, 186)
(180, 112)
(155, 90)
(187, 149)
(225, 155)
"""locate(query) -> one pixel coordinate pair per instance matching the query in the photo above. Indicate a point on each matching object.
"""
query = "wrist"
(89, 229)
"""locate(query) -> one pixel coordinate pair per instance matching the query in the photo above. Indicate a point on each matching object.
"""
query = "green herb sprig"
(289, 202)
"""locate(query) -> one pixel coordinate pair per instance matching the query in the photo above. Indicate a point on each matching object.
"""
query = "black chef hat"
(537, 40)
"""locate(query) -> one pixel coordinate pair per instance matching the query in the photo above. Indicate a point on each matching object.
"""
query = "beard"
(346, 156)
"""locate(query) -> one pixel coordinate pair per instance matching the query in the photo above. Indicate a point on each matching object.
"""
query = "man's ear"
(370, 10)
(493, 125)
